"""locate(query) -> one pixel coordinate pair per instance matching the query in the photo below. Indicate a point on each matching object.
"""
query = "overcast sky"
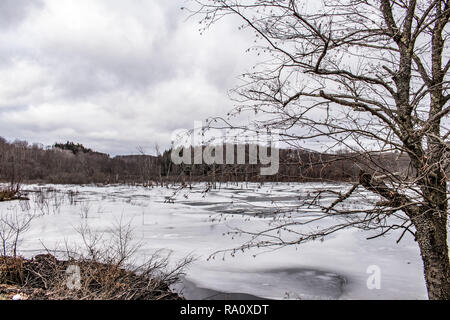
(112, 74)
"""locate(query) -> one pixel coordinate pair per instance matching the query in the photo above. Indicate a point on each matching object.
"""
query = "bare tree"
(370, 76)
(159, 155)
(12, 227)
(6, 236)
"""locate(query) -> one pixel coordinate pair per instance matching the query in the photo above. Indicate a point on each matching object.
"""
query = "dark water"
(192, 292)
(311, 284)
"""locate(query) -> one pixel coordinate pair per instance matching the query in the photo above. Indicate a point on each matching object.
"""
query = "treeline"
(72, 163)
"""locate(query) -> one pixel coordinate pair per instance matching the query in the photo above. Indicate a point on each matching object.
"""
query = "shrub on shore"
(102, 268)
(47, 278)
(11, 193)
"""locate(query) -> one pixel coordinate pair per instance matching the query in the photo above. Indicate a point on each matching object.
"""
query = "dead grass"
(7, 195)
(11, 193)
(46, 278)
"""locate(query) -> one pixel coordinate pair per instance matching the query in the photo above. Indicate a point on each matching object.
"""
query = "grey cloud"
(112, 74)
(13, 12)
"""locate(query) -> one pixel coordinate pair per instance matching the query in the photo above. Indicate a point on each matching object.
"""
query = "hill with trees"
(72, 163)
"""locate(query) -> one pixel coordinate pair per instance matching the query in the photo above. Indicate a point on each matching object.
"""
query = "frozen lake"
(192, 222)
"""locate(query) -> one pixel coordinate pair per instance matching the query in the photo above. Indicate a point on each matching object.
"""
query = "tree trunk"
(431, 236)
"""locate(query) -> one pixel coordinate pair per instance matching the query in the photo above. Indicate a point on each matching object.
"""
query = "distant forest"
(70, 163)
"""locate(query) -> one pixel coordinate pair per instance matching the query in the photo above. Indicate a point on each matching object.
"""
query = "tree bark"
(431, 236)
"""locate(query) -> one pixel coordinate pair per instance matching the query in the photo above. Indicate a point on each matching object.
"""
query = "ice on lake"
(186, 222)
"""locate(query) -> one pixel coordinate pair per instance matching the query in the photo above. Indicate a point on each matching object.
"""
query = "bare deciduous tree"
(370, 76)
(12, 227)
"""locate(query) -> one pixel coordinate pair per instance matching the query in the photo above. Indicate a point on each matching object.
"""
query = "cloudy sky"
(112, 74)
